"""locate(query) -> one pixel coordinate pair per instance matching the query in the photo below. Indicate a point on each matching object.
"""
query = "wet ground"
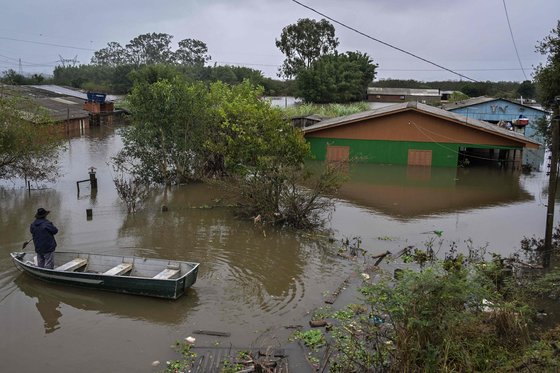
(252, 282)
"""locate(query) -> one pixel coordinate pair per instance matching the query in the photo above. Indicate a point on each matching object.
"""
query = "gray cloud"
(470, 36)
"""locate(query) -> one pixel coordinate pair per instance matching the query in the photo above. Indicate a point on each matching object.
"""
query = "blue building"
(509, 114)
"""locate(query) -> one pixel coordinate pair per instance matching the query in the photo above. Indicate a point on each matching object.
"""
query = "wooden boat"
(123, 274)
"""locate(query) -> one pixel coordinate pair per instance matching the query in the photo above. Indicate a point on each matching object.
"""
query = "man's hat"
(41, 213)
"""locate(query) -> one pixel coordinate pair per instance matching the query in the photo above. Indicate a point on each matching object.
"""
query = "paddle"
(26, 243)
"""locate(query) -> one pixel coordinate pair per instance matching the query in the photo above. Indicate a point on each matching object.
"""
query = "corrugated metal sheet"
(481, 100)
(59, 107)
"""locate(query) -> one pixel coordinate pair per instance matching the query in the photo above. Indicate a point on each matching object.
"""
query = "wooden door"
(419, 157)
(338, 153)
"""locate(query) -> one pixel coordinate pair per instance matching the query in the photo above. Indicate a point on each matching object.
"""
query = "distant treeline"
(114, 69)
(472, 89)
(119, 80)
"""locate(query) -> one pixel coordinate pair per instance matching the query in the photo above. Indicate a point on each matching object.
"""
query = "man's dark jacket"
(43, 232)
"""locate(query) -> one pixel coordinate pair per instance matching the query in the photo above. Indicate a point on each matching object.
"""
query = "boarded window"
(338, 153)
(419, 157)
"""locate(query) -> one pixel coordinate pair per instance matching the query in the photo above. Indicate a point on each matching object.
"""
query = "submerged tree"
(185, 132)
(131, 189)
(169, 123)
(28, 142)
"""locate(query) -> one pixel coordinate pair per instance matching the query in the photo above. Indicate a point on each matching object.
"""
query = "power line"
(489, 69)
(384, 43)
(50, 44)
(513, 40)
(27, 63)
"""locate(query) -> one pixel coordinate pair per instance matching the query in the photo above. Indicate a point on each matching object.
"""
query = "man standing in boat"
(43, 232)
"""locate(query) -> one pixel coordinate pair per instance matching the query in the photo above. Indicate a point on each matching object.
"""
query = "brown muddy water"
(252, 283)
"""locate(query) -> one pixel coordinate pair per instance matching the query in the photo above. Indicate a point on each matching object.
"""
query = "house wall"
(502, 110)
(401, 98)
(414, 126)
(97, 107)
(75, 124)
(388, 139)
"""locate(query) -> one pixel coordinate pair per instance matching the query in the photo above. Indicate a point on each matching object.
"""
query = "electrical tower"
(70, 61)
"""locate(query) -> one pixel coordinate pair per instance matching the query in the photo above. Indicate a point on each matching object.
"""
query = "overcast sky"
(469, 36)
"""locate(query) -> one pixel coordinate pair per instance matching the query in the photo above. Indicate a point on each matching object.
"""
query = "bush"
(451, 316)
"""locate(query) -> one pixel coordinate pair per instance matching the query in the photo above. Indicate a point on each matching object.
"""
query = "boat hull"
(137, 285)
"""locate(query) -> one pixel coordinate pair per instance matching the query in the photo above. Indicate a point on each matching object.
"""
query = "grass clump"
(327, 111)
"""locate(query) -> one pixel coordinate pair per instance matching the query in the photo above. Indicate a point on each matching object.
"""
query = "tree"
(150, 49)
(526, 89)
(547, 76)
(336, 78)
(169, 123)
(191, 52)
(28, 146)
(113, 55)
(185, 132)
(303, 43)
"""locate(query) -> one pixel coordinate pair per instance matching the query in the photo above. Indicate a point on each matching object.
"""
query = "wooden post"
(552, 183)
(89, 214)
(92, 178)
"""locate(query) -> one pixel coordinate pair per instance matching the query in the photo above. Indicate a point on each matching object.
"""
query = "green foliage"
(457, 96)
(187, 358)
(336, 78)
(433, 320)
(152, 48)
(170, 121)
(313, 338)
(191, 52)
(187, 131)
(149, 74)
(527, 89)
(119, 79)
(283, 195)
(11, 77)
(547, 76)
(28, 141)
(303, 43)
(76, 76)
(329, 110)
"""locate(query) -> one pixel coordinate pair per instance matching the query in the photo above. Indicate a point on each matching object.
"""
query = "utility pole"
(555, 123)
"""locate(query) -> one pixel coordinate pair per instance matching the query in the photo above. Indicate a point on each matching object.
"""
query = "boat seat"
(119, 270)
(72, 265)
(167, 273)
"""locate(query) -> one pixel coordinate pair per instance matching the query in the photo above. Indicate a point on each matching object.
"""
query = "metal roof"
(481, 100)
(59, 107)
(431, 110)
(68, 91)
(403, 91)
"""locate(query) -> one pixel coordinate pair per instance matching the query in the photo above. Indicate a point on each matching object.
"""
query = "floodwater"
(252, 282)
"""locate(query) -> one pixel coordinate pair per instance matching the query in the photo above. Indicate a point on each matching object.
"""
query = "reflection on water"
(413, 192)
(50, 296)
(49, 310)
